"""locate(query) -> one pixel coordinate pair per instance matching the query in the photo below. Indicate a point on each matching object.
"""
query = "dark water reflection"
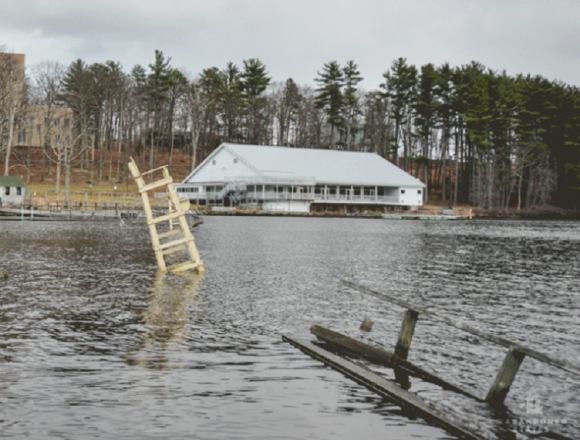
(95, 344)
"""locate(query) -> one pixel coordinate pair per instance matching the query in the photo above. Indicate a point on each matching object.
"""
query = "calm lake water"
(94, 344)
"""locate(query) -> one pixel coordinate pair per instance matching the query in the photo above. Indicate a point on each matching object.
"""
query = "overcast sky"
(294, 38)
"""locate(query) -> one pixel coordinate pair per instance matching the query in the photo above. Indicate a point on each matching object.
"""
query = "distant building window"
(418, 191)
(18, 191)
(56, 122)
(66, 123)
(31, 121)
(236, 160)
(213, 162)
(7, 190)
(38, 128)
(22, 135)
(402, 191)
(46, 121)
(194, 189)
(57, 138)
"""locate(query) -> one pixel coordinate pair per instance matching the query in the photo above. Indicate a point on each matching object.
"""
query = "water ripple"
(94, 344)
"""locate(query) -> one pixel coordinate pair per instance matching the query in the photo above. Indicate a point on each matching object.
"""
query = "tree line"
(472, 134)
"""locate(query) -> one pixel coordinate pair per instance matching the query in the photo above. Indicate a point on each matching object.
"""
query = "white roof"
(327, 166)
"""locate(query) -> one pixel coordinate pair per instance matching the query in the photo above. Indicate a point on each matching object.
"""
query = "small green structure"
(11, 190)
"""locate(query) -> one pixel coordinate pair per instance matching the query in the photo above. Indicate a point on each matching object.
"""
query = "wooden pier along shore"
(55, 211)
(85, 212)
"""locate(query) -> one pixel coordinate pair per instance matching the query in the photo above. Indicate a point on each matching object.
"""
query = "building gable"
(221, 165)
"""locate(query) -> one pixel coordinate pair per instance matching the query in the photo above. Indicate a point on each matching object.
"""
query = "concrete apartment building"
(33, 126)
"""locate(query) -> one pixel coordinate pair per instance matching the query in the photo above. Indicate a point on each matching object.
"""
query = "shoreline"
(476, 215)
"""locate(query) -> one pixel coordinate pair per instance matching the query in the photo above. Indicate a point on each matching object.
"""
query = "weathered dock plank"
(382, 386)
(383, 357)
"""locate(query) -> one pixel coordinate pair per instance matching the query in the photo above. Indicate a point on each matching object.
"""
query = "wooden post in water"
(406, 333)
(505, 377)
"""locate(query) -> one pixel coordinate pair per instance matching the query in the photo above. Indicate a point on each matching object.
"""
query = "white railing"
(286, 195)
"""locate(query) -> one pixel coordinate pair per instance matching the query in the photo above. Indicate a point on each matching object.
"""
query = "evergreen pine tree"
(399, 88)
(351, 106)
(253, 83)
(329, 96)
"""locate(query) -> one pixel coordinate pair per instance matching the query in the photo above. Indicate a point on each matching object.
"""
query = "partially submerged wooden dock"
(396, 390)
(381, 386)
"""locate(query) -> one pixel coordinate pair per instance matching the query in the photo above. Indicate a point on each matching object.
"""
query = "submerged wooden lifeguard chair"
(175, 216)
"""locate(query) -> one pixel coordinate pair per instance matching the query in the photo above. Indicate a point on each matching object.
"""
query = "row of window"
(22, 135)
(18, 191)
(317, 190)
(56, 122)
(191, 189)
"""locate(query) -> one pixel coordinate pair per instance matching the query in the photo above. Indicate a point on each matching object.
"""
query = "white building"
(12, 190)
(292, 179)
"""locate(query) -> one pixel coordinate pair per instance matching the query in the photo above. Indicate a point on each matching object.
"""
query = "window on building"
(66, 123)
(18, 191)
(31, 121)
(7, 191)
(38, 128)
(418, 191)
(56, 122)
(22, 135)
(46, 121)
(57, 138)
(402, 191)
